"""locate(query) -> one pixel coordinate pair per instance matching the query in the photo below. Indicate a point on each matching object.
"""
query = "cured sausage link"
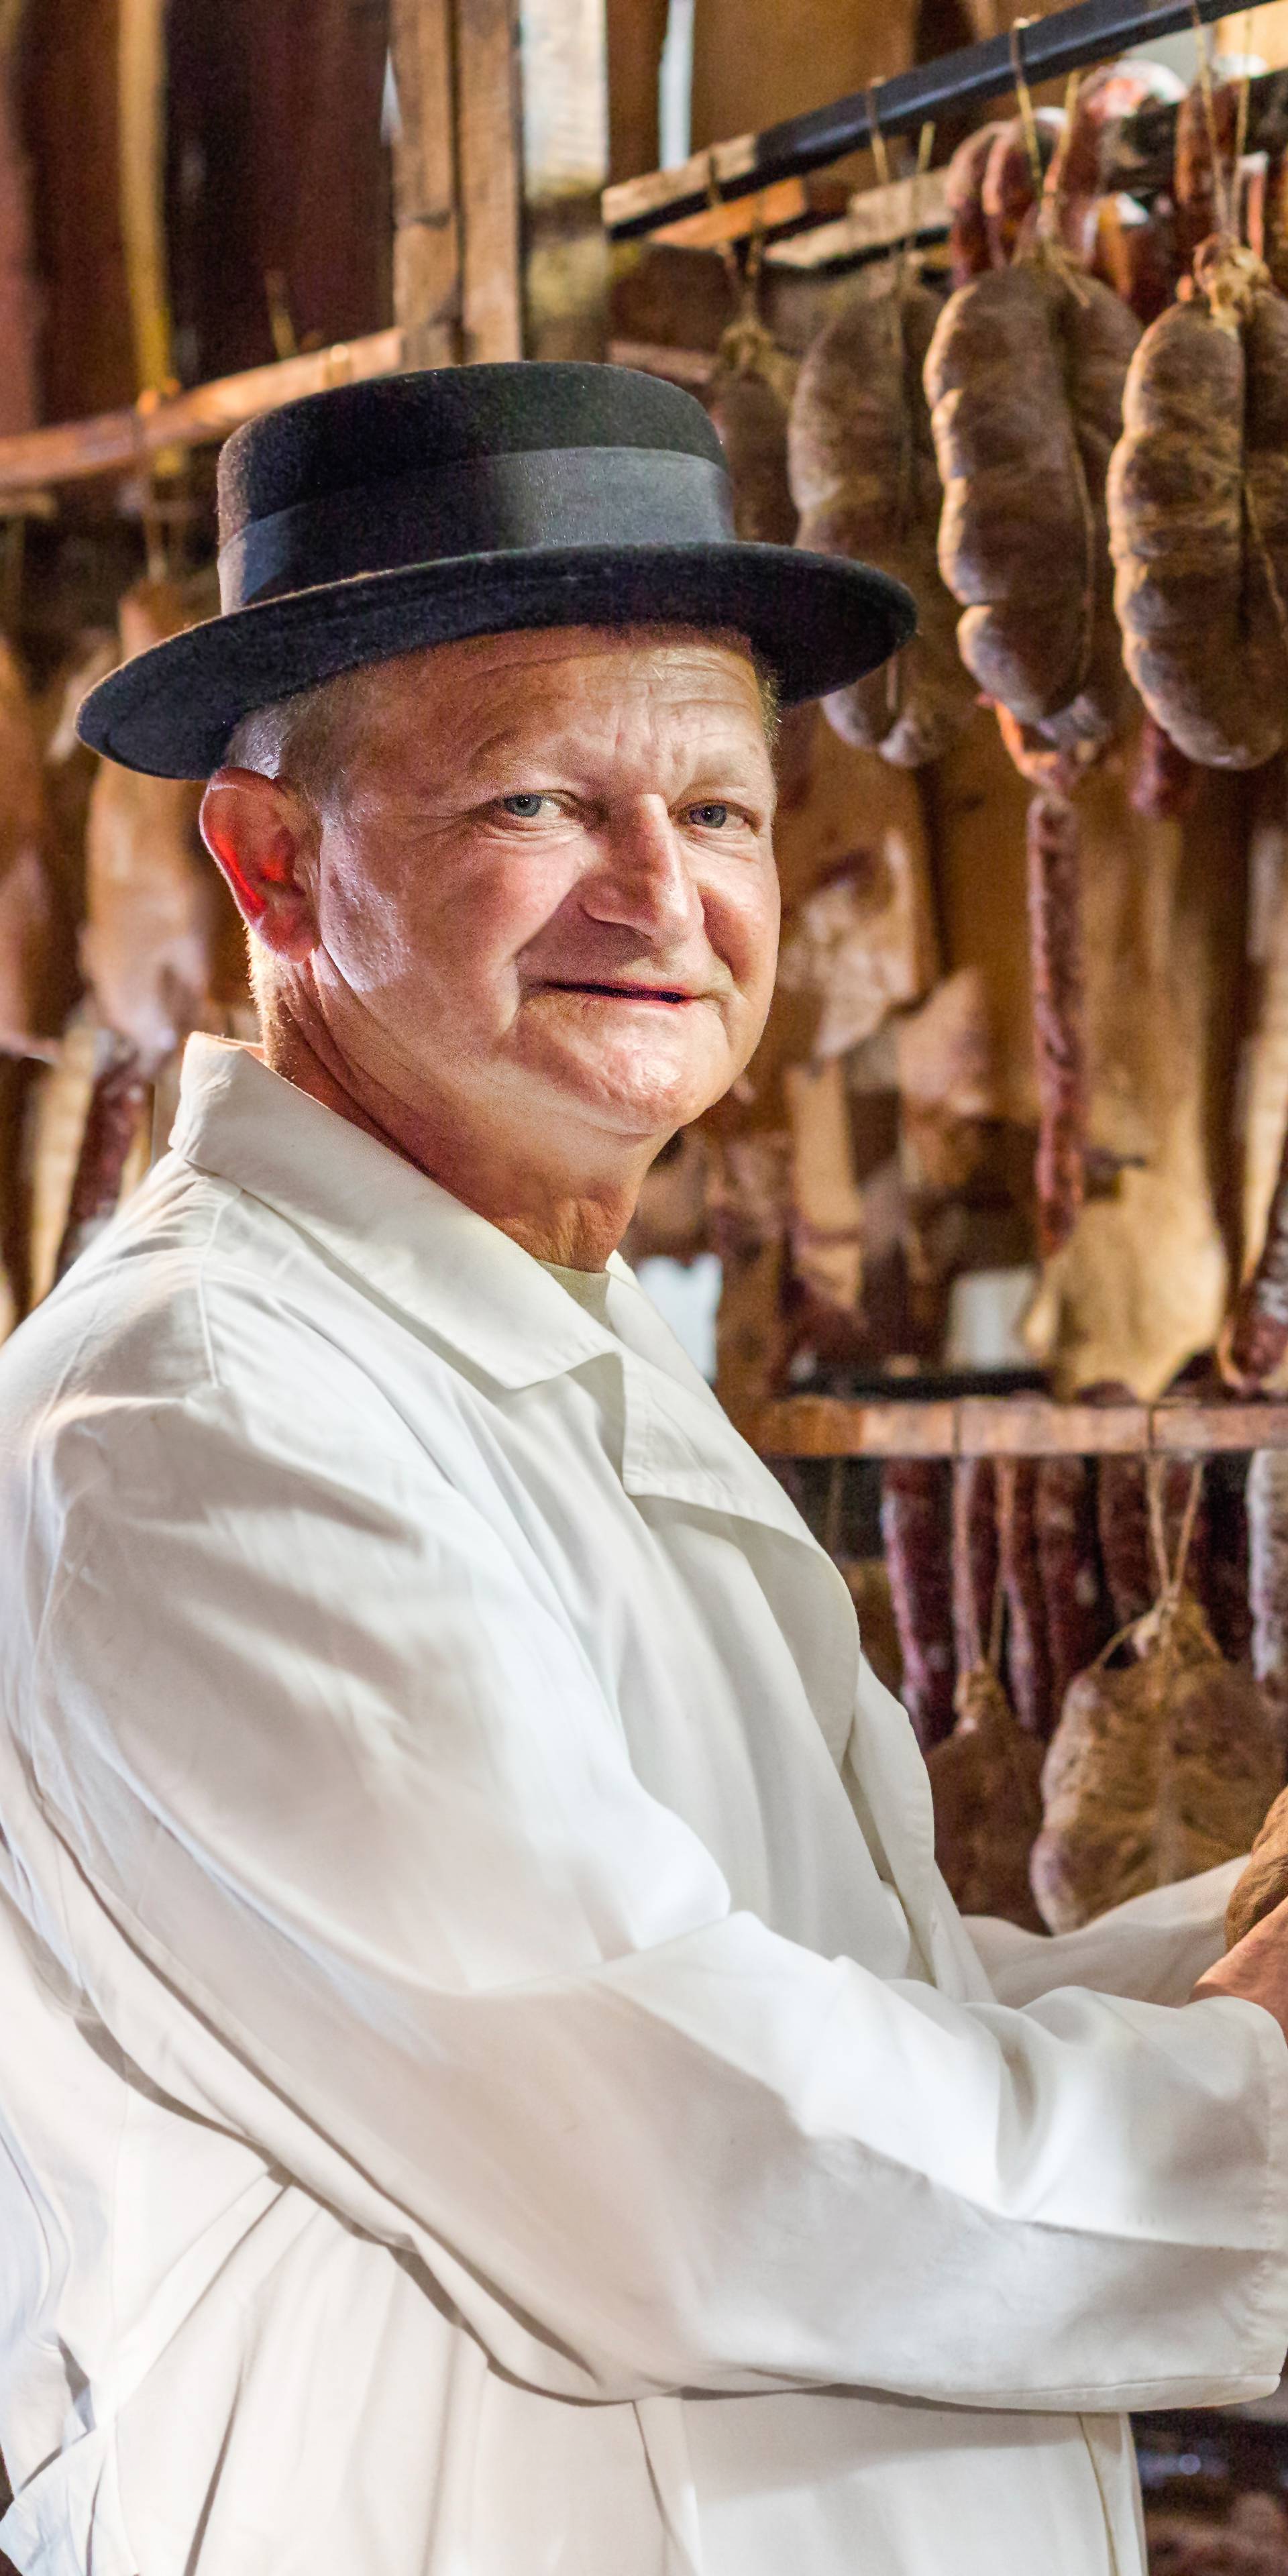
(1055, 947)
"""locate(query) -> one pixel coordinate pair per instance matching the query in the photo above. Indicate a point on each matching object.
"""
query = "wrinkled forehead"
(544, 664)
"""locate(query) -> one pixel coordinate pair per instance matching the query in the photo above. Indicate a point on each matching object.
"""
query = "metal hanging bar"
(1094, 31)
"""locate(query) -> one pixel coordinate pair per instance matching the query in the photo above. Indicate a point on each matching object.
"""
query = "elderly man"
(491, 2082)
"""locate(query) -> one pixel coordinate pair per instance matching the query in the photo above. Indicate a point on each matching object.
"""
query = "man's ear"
(264, 837)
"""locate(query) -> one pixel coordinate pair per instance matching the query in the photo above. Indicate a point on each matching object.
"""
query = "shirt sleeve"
(1155, 1947)
(350, 1856)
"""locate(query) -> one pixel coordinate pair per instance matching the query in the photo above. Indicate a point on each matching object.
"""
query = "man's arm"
(1155, 1947)
(350, 1855)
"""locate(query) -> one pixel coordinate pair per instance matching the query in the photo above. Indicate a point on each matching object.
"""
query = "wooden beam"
(1009, 1426)
(789, 204)
(487, 107)
(117, 442)
(426, 228)
(879, 221)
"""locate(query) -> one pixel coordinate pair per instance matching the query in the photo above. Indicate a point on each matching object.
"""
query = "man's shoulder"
(194, 1292)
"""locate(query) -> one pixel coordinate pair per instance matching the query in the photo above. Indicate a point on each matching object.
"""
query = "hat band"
(547, 496)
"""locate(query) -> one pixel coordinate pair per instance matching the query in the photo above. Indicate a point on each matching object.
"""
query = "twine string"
(1024, 94)
(1055, 183)
(1220, 186)
(910, 258)
(1245, 80)
(876, 138)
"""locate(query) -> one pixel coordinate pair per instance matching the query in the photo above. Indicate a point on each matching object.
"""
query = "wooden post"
(487, 72)
(141, 71)
(456, 180)
(426, 227)
(564, 54)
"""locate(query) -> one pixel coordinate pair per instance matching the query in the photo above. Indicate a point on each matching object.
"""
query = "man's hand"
(1256, 1969)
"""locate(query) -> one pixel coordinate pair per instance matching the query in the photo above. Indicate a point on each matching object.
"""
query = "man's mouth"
(667, 994)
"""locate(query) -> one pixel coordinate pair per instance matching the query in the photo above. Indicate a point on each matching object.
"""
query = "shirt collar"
(408, 1241)
(463, 1282)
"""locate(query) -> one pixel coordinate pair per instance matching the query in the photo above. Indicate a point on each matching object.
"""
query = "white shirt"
(490, 2083)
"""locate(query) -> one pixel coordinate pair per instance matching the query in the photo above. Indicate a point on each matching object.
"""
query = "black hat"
(416, 509)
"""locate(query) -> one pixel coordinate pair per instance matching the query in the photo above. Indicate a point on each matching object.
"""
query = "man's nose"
(642, 879)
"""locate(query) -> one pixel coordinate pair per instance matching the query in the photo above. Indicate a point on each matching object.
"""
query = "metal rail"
(1044, 48)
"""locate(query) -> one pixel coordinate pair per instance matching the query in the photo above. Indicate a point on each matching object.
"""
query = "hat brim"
(817, 620)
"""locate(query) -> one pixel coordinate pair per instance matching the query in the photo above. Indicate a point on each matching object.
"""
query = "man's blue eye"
(526, 807)
(714, 815)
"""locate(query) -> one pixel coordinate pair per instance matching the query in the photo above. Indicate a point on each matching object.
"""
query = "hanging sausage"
(864, 478)
(1198, 515)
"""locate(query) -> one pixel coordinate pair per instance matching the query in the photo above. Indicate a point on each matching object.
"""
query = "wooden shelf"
(1010, 1426)
(120, 442)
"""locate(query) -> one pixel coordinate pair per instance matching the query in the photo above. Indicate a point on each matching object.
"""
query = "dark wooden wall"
(274, 161)
(275, 164)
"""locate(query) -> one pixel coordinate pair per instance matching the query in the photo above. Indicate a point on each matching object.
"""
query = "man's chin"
(638, 1104)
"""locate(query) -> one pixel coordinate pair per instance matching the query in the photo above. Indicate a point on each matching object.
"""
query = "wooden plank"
(1022, 1426)
(1030, 1426)
(789, 201)
(1203, 1430)
(1067, 40)
(426, 227)
(487, 133)
(875, 223)
(825, 1426)
(120, 441)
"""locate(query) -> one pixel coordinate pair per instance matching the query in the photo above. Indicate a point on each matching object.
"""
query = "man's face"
(545, 884)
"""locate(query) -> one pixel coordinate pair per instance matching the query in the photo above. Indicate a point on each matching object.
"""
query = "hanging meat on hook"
(1204, 176)
(1198, 514)
(863, 476)
(985, 1776)
(35, 990)
(118, 1104)
(1064, 1514)
(1133, 251)
(985, 1780)
(1028, 1661)
(1161, 1766)
(990, 192)
(1114, 237)
(975, 1560)
(1024, 377)
(1055, 950)
(747, 400)
(1255, 1340)
(916, 1539)
(969, 248)
(148, 942)
(1267, 1509)
(1009, 192)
